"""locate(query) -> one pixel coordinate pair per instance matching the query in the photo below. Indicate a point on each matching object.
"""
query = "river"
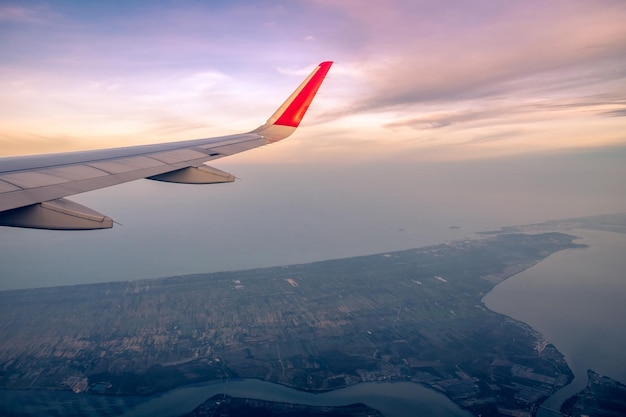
(397, 399)
(400, 399)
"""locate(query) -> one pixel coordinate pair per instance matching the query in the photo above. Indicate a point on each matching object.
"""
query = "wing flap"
(179, 155)
(32, 179)
(122, 165)
(76, 172)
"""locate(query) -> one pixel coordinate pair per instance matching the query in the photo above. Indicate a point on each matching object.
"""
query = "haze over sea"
(280, 214)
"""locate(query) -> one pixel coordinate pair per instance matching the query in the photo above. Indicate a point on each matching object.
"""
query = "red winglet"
(292, 115)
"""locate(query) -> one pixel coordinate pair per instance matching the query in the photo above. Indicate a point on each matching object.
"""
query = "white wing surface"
(32, 188)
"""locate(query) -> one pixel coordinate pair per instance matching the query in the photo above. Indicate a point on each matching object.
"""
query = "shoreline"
(605, 241)
(461, 272)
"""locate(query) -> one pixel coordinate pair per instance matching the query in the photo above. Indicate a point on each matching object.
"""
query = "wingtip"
(287, 118)
(325, 65)
(297, 105)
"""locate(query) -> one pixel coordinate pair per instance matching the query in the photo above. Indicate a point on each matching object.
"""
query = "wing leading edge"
(32, 188)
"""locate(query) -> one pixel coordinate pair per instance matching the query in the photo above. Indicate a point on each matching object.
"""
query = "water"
(400, 399)
(286, 213)
(172, 229)
(577, 299)
(392, 399)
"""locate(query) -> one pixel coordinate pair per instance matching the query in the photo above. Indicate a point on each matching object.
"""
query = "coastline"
(590, 281)
(416, 340)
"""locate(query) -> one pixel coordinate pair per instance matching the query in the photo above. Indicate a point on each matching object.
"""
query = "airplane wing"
(32, 188)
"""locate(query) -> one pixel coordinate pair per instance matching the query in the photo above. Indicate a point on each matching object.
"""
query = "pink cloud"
(420, 51)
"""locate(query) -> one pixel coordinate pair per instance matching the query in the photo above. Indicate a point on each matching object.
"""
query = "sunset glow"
(436, 80)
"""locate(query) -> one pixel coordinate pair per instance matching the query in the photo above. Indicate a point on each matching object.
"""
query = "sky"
(472, 114)
(441, 80)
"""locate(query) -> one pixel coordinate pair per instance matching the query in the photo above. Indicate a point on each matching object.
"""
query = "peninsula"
(413, 315)
(602, 397)
(227, 406)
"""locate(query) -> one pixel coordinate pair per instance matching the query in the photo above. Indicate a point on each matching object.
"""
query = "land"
(226, 406)
(602, 397)
(413, 315)
(615, 223)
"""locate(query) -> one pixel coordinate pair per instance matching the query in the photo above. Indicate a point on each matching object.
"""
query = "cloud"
(616, 113)
(411, 73)
(419, 54)
(494, 137)
(504, 111)
(440, 120)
